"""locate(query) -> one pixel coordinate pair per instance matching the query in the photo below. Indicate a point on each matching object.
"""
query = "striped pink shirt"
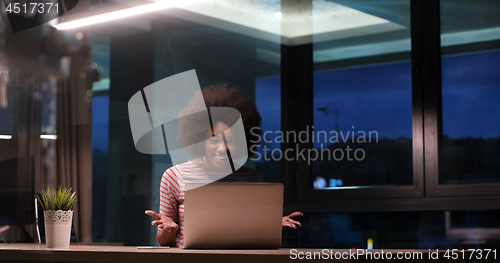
(174, 180)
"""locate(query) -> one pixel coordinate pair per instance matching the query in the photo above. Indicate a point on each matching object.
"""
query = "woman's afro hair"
(192, 128)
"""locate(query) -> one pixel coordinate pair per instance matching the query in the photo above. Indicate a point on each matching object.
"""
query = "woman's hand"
(289, 222)
(167, 229)
(162, 222)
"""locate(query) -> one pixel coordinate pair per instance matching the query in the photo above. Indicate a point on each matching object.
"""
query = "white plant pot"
(57, 228)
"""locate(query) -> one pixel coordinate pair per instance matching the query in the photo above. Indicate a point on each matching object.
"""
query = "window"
(402, 230)
(133, 54)
(454, 137)
(363, 117)
(470, 94)
(363, 107)
(267, 98)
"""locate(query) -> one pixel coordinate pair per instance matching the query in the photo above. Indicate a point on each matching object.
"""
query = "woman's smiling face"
(217, 158)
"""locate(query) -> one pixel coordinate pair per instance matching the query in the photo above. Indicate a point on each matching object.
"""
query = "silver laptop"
(233, 215)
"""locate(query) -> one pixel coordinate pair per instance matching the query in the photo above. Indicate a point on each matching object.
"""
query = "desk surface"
(125, 254)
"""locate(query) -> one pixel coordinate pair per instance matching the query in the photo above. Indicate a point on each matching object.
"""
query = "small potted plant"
(58, 214)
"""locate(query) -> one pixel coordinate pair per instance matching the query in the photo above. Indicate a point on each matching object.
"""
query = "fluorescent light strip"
(49, 137)
(138, 10)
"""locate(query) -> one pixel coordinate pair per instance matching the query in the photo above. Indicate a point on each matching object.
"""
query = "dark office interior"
(401, 96)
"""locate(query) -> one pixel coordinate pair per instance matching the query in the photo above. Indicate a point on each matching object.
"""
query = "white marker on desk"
(152, 247)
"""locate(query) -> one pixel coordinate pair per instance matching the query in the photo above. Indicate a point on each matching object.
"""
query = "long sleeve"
(169, 190)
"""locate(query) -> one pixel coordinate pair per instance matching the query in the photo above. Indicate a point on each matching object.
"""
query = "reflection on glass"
(6, 106)
(48, 127)
(216, 38)
(366, 136)
(268, 100)
(362, 99)
(402, 230)
(470, 94)
(100, 130)
(49, 106)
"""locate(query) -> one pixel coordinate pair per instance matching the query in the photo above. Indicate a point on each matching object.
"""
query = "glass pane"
(268, 99)
(218, 39)
(6, 106)
(49, 107)
(402, 230)
(470, 93)
(48, 129)
(100, 131)
(362, 98)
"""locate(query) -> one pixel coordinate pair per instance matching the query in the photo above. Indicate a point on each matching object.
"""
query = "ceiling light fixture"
(48, 136)
(127, 12)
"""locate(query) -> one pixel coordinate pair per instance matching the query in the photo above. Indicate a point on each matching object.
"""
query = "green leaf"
(62, 199)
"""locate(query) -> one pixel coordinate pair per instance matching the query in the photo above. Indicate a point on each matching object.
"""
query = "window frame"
(426, 193)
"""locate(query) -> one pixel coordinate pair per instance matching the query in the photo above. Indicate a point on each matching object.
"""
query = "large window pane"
(471, 97)
(362, 99)
(212, 38)
(403, 230)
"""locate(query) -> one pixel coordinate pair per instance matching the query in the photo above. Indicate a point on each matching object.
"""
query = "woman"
(214, 158)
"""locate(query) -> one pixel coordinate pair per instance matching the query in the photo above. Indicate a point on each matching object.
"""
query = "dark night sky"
(378, 98)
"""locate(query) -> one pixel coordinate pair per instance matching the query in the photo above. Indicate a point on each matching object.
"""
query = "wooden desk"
(123, 254)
